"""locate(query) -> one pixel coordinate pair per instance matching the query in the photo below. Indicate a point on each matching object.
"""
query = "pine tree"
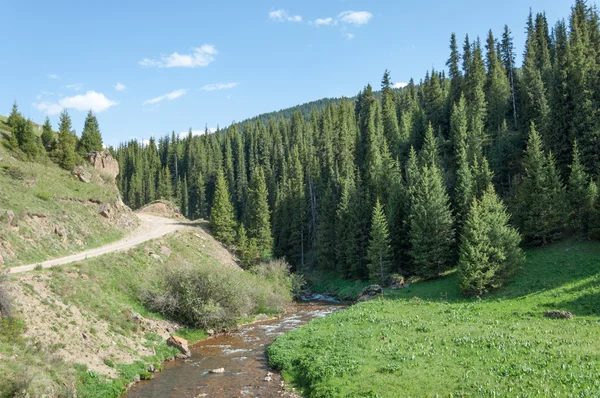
(431, 225)
(67, 141)
(183, 204)
(497, 87)
(26, 138)
(14, 120)
(508, 58)
(464, 193)
(91, 139)
(539, 194)
(258, 213)
(164, 184)
(489, 250)
(201, 206)
(577, 194)
(454, 72)
(48, 137)
(222, 221)
(379, 251)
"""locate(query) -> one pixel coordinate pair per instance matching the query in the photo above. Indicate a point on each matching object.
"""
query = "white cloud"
(168, 96)
(76, 86)
(400, 84)
(202, 56)
(349, 36)
(49, 108)
(218, 86)
(120, 87)
(324, 21)
(52, 75)
(355, 17)
(93, 100)
(282, 15)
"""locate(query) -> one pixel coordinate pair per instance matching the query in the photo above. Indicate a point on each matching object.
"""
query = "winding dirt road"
(151, 227)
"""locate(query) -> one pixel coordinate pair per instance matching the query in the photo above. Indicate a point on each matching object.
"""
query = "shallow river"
(241, 354)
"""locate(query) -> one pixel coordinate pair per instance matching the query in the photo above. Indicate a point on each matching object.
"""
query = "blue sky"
(150, 67)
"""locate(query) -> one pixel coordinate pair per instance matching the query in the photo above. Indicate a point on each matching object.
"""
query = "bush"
(43, 195)
(209, 296)
(6, 304)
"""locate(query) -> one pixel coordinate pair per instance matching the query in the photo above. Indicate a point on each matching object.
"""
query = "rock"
(554, 314)
(181, 356)
(10, 217)
(268, 379)
(105, 163)
(219, 370)
(104, 210)
(83, 175)
(165, 251)
(261, 317)
(370, 292)
(396, 282)
(210, 332)
(180, 344)
(59, 231)
(155, 256)
(151, 369)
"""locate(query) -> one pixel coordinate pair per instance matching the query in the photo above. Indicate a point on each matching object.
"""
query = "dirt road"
(151, 227)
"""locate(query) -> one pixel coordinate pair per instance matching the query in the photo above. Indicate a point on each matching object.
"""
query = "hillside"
(48, 212)
(429, 339)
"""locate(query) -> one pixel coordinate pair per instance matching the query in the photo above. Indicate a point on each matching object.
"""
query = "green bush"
(208, 296)
(43, 195)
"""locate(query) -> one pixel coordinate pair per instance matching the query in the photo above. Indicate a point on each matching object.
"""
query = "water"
(241, 354)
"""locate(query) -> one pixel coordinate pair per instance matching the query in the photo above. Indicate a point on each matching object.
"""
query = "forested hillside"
(456, 169)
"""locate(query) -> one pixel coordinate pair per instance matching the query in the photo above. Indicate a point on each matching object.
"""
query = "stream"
(242, 356)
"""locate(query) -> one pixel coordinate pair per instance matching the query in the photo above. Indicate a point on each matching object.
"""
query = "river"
(242, 356)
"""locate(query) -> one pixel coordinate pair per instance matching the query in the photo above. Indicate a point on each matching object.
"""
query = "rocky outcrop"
(558, 314)
(180, 344)
(104, 162)
(370, 292)
(82, 174)
(104, 210)
(397, 282)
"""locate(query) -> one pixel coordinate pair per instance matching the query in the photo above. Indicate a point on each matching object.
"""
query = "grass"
(110, 288)
(430, 341)
(45, 200)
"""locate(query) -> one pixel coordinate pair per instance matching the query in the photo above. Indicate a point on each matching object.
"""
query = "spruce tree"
(497, 88)
(91, 139)
(431, 225)
(67, 141)
(539, 201)
(184, 201)
(577, 194)
(48, 137)
(26, 138)
(201, 206)
(222, 221)
(489, 250)
(379, 251)
(164, 184)
(258, 213)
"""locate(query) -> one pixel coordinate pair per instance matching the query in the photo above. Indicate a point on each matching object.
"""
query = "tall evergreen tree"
(431, 225)
(497, 87)
(258, 213)
(379, 251)
(489, 250)
(67, 141)
(222, 221)
(508, 58)
(48, 137)
(91, 139)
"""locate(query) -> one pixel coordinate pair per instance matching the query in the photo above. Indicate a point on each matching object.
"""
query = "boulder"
(180, 344)
(219, 370)
(59, 231)
(554, 314)
(397, 282)
(104, 210)
(10, 217)
(370, 292)
(83, 175)
(105, 163)
(165, 251)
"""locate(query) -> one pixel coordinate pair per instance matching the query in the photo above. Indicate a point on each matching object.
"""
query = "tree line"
(63, 147)
(455, 170)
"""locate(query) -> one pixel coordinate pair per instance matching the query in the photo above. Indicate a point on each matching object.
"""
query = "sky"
(147, 68)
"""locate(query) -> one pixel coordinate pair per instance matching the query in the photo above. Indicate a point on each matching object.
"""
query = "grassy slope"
(105, 290)
(428, 340)
(33, 189)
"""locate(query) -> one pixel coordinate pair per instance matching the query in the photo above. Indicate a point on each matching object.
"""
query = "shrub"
(43, 195)
(207, 296)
